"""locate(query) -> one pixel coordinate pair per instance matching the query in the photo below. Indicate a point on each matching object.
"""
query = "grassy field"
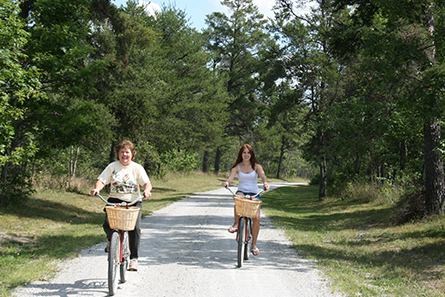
(356, 244)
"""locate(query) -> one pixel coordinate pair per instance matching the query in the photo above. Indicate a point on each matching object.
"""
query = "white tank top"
(248, 182)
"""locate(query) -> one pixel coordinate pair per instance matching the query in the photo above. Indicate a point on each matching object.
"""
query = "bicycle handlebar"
(246, 196)
(123, 203)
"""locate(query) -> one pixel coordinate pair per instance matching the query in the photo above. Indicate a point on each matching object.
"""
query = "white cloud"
(150, 7)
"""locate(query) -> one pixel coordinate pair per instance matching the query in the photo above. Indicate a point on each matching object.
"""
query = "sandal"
(255, 251)
(232, 230)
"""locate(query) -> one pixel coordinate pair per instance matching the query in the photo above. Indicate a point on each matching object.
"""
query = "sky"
(197, 10)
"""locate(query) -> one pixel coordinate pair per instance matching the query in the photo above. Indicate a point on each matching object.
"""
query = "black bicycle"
(246, 208)
(122, 218)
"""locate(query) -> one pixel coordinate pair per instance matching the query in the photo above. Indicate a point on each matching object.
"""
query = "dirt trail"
(187, 251)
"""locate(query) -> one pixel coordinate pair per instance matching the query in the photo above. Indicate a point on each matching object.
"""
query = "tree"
(59, 47)
(19, 85)
(58, 44)
(158, 87)
(398, 39)
(310, 68)
(125, 88)
(235, 41)
(191, 101)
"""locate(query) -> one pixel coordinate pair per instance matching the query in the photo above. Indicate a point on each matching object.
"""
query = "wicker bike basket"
(122, 218)
(246, 207)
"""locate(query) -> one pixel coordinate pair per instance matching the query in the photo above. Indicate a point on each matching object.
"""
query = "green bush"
(181, 160)
(16, 187)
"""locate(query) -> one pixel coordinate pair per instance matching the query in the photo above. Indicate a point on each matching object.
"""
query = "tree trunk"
(281, 157)
(323, 179)
(205, 161)
(74, 156)
(8, 164)
(323, 167)
(434, 171)
(217, 159)
(357, 163)
(112, 153)
(5, 172)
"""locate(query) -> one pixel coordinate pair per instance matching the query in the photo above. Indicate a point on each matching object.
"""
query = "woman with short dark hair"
(125, 178)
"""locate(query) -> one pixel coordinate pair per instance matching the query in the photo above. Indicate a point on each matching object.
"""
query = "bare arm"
(147, 189)
(231, 177)
(260, 171)
(99, 186)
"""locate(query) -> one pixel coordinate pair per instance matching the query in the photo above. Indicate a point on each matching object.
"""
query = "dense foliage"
(353, 88)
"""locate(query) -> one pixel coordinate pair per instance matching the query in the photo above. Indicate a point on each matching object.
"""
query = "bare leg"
(255, 230)
(235, 224)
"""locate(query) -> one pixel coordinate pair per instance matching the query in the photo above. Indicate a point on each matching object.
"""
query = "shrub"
(16, 187)
(411, 207)
(180, 160)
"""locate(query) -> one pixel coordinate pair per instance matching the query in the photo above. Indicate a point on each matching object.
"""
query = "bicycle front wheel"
(248, 245)
(113, 262)
(125, 257)
(241, 240)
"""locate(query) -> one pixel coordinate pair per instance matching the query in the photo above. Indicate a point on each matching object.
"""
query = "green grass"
(358, 246)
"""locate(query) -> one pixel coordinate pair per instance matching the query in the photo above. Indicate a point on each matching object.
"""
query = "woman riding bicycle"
(125, 177)
(248, 169)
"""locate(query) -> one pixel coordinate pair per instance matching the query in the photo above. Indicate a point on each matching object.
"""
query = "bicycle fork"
(121, 243)
(248, 233)
(122, 246)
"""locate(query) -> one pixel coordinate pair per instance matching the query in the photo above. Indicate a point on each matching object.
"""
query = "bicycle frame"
(244, 228)
(248, 226)
(118, 259)
(122, 204)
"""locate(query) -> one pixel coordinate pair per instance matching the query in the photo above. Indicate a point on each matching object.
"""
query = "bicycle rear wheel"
(241, 240)
(125, 257)
(113, 262)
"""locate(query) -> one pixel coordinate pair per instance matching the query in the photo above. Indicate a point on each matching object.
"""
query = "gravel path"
(187, 251)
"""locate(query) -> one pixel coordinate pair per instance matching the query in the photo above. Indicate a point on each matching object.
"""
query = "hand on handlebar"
(147, 194)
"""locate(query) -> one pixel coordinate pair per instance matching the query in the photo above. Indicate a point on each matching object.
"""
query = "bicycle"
(246, 209)
(122, 218)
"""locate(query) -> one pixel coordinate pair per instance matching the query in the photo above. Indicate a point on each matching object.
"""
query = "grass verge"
(357, 245)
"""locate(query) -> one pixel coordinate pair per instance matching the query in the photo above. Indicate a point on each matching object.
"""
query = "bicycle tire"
(241, 240)
(125, 257)
(113, 262)
(249, 239)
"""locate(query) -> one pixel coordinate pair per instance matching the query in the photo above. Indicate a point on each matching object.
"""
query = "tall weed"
(373, 192)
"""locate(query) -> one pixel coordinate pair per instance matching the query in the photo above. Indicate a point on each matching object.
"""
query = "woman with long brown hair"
(248, 169)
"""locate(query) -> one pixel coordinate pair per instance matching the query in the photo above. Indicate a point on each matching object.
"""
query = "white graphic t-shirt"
(124, 180)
